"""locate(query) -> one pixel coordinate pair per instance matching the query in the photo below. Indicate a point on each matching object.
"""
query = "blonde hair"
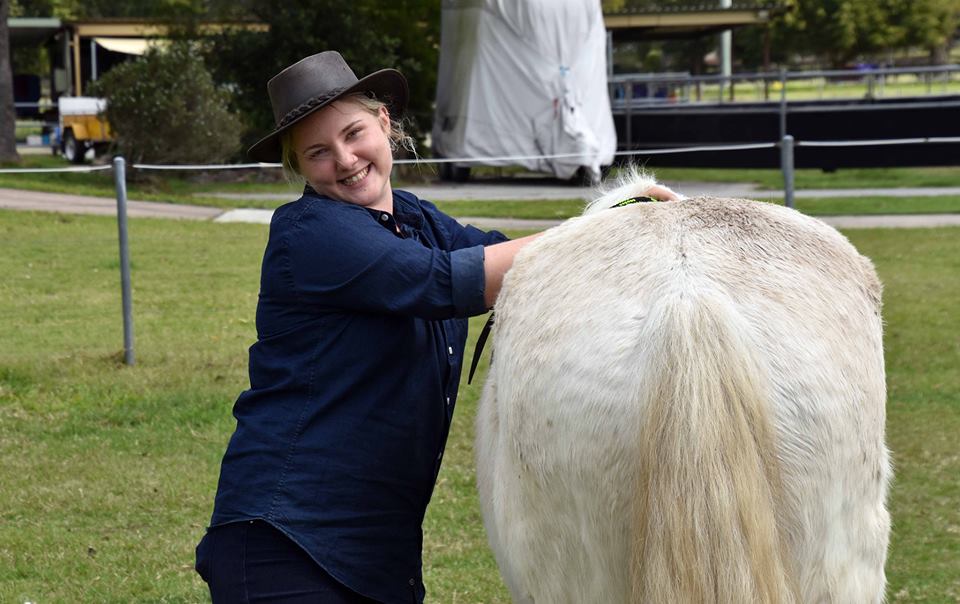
(397, 135)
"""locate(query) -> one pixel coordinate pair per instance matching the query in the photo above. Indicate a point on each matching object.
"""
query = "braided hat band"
(305, 108)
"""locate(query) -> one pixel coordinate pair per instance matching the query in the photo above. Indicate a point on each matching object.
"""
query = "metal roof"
(687, 21)
(28, 30)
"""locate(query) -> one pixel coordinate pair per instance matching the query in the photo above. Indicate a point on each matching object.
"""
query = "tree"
(165, 108)
(106, 9)
(930, 24)
(370, 34)
(8, 114)
(842, 30)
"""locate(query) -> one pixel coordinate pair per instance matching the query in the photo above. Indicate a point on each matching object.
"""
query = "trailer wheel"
(583, 177)
(73, 150)
(454, 173)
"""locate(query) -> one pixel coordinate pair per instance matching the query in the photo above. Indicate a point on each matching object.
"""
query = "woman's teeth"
(352, 180)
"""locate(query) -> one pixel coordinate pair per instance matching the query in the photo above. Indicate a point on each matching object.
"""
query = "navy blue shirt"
(361, 326)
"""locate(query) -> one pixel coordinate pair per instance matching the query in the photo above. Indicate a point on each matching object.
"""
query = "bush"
(165, 108)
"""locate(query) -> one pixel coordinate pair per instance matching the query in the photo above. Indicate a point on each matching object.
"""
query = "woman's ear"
(384, 117)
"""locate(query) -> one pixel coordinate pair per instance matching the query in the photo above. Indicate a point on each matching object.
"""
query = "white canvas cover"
(524, 78)
(81, 105)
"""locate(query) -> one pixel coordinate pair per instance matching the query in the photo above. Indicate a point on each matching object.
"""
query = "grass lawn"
(818, 88)
(108, 472)
(852, 178)
(565, 208)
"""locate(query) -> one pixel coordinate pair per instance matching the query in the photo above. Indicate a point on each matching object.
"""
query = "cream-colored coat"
(686, 404)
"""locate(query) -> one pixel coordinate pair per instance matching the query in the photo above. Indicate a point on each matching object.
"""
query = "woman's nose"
(345, 157)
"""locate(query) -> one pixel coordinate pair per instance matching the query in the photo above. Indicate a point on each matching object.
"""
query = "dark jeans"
(246, 562)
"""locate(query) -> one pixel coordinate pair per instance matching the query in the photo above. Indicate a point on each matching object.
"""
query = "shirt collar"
(406, 209)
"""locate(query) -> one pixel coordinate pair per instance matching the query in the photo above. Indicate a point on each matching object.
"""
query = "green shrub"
(165, 108)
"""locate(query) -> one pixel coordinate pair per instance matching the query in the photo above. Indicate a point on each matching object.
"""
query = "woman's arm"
(497, 260)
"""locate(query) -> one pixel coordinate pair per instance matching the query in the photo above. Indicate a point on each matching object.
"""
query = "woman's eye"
(318, 153)
(354, 133)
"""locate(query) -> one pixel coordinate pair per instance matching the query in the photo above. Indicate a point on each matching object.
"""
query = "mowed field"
(107, 472)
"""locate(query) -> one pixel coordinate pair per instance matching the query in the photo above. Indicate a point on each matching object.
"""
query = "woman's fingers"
(662, 193)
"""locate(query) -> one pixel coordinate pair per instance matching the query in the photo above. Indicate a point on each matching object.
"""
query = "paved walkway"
(15, 199)
(39, 201)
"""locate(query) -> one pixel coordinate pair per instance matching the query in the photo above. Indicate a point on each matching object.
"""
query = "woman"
(361, 323)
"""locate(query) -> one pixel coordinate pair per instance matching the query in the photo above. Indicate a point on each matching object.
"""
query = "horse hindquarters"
(728, 355)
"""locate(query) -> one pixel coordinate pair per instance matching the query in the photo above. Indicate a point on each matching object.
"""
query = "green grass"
(876, 205)
(108, 472)
(921, 274)
(815, 89)
(566, 208)
(853, 178)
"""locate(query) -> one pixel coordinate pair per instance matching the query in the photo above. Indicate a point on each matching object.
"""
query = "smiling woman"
(361, 323)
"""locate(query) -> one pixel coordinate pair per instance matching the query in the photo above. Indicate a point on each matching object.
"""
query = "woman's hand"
(662, 193)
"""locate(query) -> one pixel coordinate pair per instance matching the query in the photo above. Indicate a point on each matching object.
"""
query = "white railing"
(653, 89)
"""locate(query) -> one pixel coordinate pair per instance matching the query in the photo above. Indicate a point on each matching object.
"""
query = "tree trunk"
(8, 117)
(940, 55)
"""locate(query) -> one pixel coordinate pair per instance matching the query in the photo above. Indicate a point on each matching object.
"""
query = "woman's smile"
(357, 178)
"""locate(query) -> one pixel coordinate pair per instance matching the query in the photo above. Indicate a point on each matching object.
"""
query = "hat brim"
(387, 85)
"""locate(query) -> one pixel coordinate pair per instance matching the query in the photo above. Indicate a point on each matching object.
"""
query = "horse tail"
(709, 488)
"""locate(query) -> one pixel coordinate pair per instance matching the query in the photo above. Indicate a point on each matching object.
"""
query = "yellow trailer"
(83, 127)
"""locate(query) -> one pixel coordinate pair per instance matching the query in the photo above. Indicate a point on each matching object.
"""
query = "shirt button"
(386, 217)
(450, 349)
(440, 456)
(448, 400)
(412, 582)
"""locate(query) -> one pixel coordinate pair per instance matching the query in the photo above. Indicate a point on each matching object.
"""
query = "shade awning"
(129, 46)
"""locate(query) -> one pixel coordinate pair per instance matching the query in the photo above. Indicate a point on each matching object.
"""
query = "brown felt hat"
(315, 82)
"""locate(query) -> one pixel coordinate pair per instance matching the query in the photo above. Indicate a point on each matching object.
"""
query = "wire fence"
(786, 145)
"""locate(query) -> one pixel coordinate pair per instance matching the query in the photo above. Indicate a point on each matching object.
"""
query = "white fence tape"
(701, 148)
(37, 170)
(879, 142)
(203, 167)
(508, 158)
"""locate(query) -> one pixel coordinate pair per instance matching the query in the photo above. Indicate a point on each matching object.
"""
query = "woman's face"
(344, 153)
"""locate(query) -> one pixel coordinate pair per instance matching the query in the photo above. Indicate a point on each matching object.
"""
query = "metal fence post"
(786, 166)
(120, 179)
(783, 102)
(628, 103)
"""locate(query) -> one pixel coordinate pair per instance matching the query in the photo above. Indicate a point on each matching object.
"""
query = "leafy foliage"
(107, 9)
(165, 108)
(370, 34)
(838, 31)
(841, 30)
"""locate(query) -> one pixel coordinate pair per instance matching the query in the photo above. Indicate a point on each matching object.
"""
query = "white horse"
(686, 404)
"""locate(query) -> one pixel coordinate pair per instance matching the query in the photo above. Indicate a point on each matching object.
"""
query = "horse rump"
(686, 404)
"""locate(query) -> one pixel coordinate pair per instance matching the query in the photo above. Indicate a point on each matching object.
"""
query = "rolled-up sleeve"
(468, 281)
(338, 257)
